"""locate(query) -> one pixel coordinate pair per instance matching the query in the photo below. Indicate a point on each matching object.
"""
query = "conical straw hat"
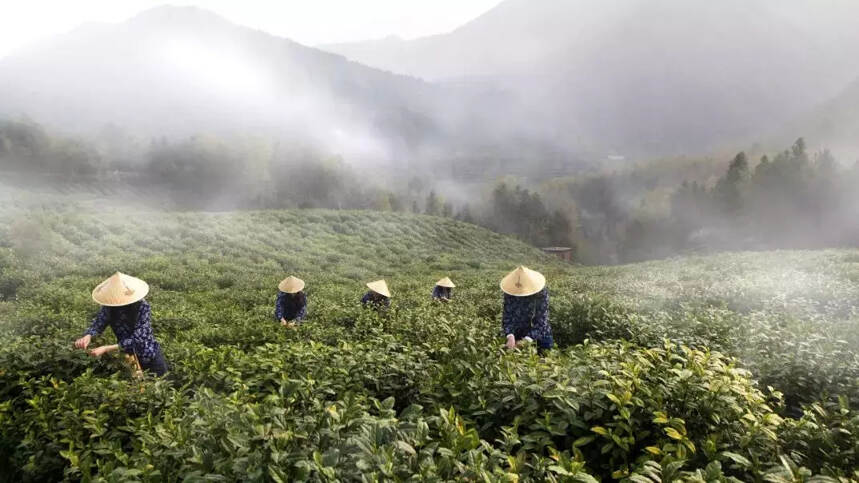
(523, 282)
(380, 287)
(291, 285)
(120, 289)
(445, 282)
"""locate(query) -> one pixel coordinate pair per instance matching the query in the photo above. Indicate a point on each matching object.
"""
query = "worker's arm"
(508, 320)
(278, 306)
(302, 312)
(540, 329)
(95, 329)
(100, 351)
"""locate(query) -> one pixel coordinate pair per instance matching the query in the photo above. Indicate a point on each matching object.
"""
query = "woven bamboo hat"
(120, 289)
(291, 285)
(380, 287)
(523, 282)
(445, 282)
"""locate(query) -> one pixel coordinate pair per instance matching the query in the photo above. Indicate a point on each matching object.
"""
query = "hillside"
(611, 75)
(833, 125)
(183, 71)
(421, 392)
(343, 244)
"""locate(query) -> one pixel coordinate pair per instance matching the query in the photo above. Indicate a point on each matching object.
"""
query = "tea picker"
(124, 309)
(525, 317)
(443, 290)
(378, 297)
(290, 308)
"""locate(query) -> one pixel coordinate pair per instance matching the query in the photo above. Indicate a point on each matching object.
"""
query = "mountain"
(833, 125)
(533, 88)
(644, 77)
(174, 71)
(513, 37)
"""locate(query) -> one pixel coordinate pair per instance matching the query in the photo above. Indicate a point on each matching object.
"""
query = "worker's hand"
(511, 342)
(99, 351)
(283, 321)
(522, 342)
(83, 342)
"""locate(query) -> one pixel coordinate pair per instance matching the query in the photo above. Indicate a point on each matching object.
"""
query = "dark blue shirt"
(441, 292)
(375, 300)
(134, 337)
(290, 306)
(528, 317)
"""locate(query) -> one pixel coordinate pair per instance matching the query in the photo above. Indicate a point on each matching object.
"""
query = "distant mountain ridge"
(645, 77)
(833, 125)
(183, 70)
(531, 88)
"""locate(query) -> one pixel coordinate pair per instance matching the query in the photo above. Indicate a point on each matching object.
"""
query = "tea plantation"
(719, 368)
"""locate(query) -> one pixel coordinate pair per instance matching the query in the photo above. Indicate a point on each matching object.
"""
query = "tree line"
(217, 172)
(793, 199)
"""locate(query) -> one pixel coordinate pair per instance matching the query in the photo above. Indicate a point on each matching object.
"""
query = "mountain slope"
(180, 71)
(645, 77)
(833, 125)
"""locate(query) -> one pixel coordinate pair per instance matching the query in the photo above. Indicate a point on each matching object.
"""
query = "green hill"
(692, 368)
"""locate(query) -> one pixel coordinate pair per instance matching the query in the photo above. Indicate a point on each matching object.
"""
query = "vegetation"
(226, 172)
(794, 199)
(738, 366)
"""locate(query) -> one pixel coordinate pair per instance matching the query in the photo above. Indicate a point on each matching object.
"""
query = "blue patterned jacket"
(442, 292)
(528, 317)
(374, 300)
(134, 337)
(290, 306)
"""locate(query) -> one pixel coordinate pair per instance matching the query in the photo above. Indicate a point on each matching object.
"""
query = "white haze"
(530, 91)
(532, 86)
(308, 22)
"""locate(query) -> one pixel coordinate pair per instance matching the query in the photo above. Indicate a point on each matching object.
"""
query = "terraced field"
(706, 368)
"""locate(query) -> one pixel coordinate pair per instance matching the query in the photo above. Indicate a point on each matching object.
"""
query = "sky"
(311, 22)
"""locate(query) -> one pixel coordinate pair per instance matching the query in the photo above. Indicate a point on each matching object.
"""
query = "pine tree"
(729, 190)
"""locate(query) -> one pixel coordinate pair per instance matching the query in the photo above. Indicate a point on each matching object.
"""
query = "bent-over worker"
(443, 290)
(290, 308)
(129, 315)
(378, 297)
(526, 309)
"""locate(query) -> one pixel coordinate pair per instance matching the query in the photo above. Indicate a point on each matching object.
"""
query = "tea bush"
(722, 368)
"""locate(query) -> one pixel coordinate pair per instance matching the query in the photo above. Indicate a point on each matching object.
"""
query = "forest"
(787, 199)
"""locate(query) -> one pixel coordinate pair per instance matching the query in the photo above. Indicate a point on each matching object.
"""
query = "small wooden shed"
(564, 253)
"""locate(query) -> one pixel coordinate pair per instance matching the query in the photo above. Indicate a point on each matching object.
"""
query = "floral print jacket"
(133, 336)
(528, 317)
(290, 306)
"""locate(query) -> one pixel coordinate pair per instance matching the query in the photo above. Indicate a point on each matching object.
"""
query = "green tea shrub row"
(704, 369)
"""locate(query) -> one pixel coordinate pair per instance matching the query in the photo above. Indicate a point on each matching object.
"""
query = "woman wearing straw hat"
(291, 305)
(378, 297)
(443, 290)
(526, 308)
(128, 314)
